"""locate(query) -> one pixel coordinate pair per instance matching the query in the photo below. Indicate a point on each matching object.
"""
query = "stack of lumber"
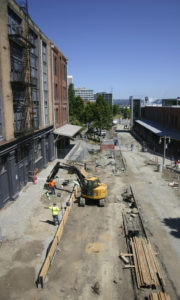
(148, 273)
(158, 296)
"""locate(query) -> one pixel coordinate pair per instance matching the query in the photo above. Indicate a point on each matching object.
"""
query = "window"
(56, 92)
(21, 153)
(64, 94)
(46, 115)
(1, 119)
(3, 164)
(64, 72)
(37, 149)
(34, 40)
(55, 65)
(44, 52)
(57, 119)
(45, 83)
(14, 23)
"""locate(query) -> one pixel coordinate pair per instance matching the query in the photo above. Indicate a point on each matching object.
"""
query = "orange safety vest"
(52, 183)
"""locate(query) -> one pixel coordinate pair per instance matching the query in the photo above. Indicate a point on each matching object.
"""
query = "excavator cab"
(89, 185)
(93, 189)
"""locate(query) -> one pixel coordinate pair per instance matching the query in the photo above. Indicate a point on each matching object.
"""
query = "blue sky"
(130, 47)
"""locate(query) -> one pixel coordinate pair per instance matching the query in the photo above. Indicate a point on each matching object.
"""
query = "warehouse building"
(159, 128)
(26, 123)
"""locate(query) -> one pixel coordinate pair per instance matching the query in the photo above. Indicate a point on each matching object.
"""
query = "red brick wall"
(60, 88)
(106, 147)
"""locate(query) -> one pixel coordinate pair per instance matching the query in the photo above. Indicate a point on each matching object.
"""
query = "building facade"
(107, 96)
(26, 117)
(171, 102)
(84, 94)
(159, 128)
(60, 98)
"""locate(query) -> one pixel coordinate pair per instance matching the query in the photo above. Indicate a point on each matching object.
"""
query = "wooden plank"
(144, 258)
(124, 259)
(138, 265)
(152, 258)
(128, 266)
(54, 244)
(135, 263)
(149, 264)
(156, 266)
(154, 296)
(140, 261)
(159, 296)
(45, 269)
(126, 254)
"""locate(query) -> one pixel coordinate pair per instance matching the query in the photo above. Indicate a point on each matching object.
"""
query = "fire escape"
(21, 80)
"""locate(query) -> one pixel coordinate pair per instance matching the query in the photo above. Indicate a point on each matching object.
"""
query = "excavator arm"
(70, 168)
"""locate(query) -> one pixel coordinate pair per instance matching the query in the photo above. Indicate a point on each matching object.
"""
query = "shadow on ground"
(61, 153)
(92, 202)
(173, 223)
(48, 222)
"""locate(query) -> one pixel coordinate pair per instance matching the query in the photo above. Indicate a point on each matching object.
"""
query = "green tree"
(89, 112)
(76, 107)
(126, 113)
(116, 109)
(71, 99)
(78, 111)
(103, 114)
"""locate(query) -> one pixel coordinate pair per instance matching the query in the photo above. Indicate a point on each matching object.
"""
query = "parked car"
(103, 133)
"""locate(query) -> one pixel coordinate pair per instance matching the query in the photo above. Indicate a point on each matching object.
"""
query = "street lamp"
(165, 146)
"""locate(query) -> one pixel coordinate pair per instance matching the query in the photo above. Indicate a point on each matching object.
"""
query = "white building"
(69, 80)
(84, 93)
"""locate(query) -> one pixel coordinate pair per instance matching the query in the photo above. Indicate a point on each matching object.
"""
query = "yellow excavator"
(91, 187)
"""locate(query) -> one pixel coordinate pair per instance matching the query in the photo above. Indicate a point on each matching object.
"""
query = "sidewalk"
(15, 215)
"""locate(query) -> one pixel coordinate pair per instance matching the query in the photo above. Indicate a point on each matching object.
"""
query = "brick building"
(28, 92)
(60, 102)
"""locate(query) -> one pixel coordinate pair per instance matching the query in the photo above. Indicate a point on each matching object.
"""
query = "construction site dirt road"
(87, 262)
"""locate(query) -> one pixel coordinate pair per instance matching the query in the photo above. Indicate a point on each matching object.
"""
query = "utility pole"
(164, 154)
(164, 147)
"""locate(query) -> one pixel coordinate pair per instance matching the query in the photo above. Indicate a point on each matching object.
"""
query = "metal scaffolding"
(21, 80)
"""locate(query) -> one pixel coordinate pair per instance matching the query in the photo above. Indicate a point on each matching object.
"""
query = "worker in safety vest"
(52, 186)
(55, 211)
(178, 165)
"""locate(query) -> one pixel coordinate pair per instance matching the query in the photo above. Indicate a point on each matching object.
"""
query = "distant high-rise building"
(171, 102)
(135, 105)
(107, 96)
(146, 100)
(84, 93)
(69, 80)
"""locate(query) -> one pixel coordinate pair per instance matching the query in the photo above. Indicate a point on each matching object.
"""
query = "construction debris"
(132, 225)
(173, 184)
(148, 273)
(127, 195)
